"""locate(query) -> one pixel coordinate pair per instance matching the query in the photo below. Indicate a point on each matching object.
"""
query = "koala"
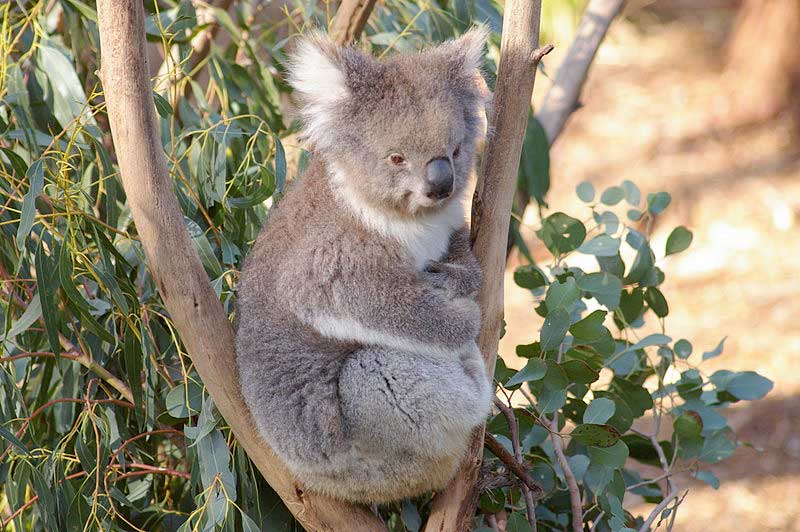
(356, 318)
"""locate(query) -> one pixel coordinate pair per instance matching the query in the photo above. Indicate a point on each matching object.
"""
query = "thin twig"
(509, 461)
(513, 426)
(657, 510)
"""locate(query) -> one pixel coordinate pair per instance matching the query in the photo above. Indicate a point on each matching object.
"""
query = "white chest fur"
(425, 238)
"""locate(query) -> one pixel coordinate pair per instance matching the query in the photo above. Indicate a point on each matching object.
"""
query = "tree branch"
(184, 286)
(572, 484)
(513, 426)
(510, 462)
(657, 510)
(562, 98)
(351, 17)
(453, 509)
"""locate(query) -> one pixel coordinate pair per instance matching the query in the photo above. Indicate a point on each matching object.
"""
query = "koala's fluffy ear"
(466, 52)
(465, 56)
(316, 71)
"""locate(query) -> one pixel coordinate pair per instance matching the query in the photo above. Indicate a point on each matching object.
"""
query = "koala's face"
(401, 132)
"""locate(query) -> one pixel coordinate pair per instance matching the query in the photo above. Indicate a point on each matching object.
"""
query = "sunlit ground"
(660, 111)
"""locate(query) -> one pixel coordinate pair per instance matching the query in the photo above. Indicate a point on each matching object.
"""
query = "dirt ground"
(661, 110)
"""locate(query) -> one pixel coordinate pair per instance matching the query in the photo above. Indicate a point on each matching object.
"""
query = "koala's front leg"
(458, 272)
(383, 303)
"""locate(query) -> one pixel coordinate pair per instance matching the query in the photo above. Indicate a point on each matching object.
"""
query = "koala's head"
(402, 131)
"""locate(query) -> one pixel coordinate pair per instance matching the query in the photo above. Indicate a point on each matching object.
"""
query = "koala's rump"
(369, 424)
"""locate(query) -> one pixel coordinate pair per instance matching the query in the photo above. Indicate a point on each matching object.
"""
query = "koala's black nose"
(439, 178)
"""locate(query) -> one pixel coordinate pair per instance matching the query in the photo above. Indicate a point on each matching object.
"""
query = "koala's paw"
(458, 280)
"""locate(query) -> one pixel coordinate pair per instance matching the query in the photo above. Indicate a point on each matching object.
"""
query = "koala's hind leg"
(410, 416)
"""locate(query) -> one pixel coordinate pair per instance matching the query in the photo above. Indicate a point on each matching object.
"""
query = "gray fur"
(356, 337)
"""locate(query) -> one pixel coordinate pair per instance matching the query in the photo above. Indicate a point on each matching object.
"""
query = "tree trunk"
(764, 52)
(454, 508)
(182, 282)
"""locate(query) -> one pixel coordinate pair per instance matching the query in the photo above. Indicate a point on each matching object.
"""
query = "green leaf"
(595, 434)
(635, 396)
(551, 400)
(656, 203)
(69, 100)
(688, 425)
(599, 411)
(162, 105)
(709, 478)
(612, 195)
(609, 220)
(562, 295)
(35, 178)
(184, 400)
(601, 245)
(533, 350)
(613, 456)
(579, 372)
(717, 351)
(631, 305)
(556, 377)
(501, 372)
(634, 215)
(679, 240)
(517, 523)
(578, 463)
(32, 313)
(683, 348)
(13, 440)
(602, 286)
(535, 369)
(47, 285)
(656, 301)
(632, 194)
(554, 329)
(623, 416)
(585, 192)
(597, 477)
(717, 447)
(591, 327)
(84, 9)
(280, 165)
(248, 525)
(749, 386)
(410, 516)
(561, 233)
(534, 164)
(530, 277)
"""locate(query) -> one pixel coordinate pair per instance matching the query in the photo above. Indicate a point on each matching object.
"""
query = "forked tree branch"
(176, 268)
(453, 509)
(351, 17)
(562, 98)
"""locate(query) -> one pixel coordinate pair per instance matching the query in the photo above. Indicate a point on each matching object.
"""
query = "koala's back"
(355, 421)
(282, 360)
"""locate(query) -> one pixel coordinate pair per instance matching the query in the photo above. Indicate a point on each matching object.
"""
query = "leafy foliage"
(105, 424)
(586, 386)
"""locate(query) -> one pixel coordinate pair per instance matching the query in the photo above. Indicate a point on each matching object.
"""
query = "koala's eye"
(397, 159)
(457, 151)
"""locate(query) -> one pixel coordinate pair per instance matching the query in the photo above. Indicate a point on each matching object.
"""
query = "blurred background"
(699, 98)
